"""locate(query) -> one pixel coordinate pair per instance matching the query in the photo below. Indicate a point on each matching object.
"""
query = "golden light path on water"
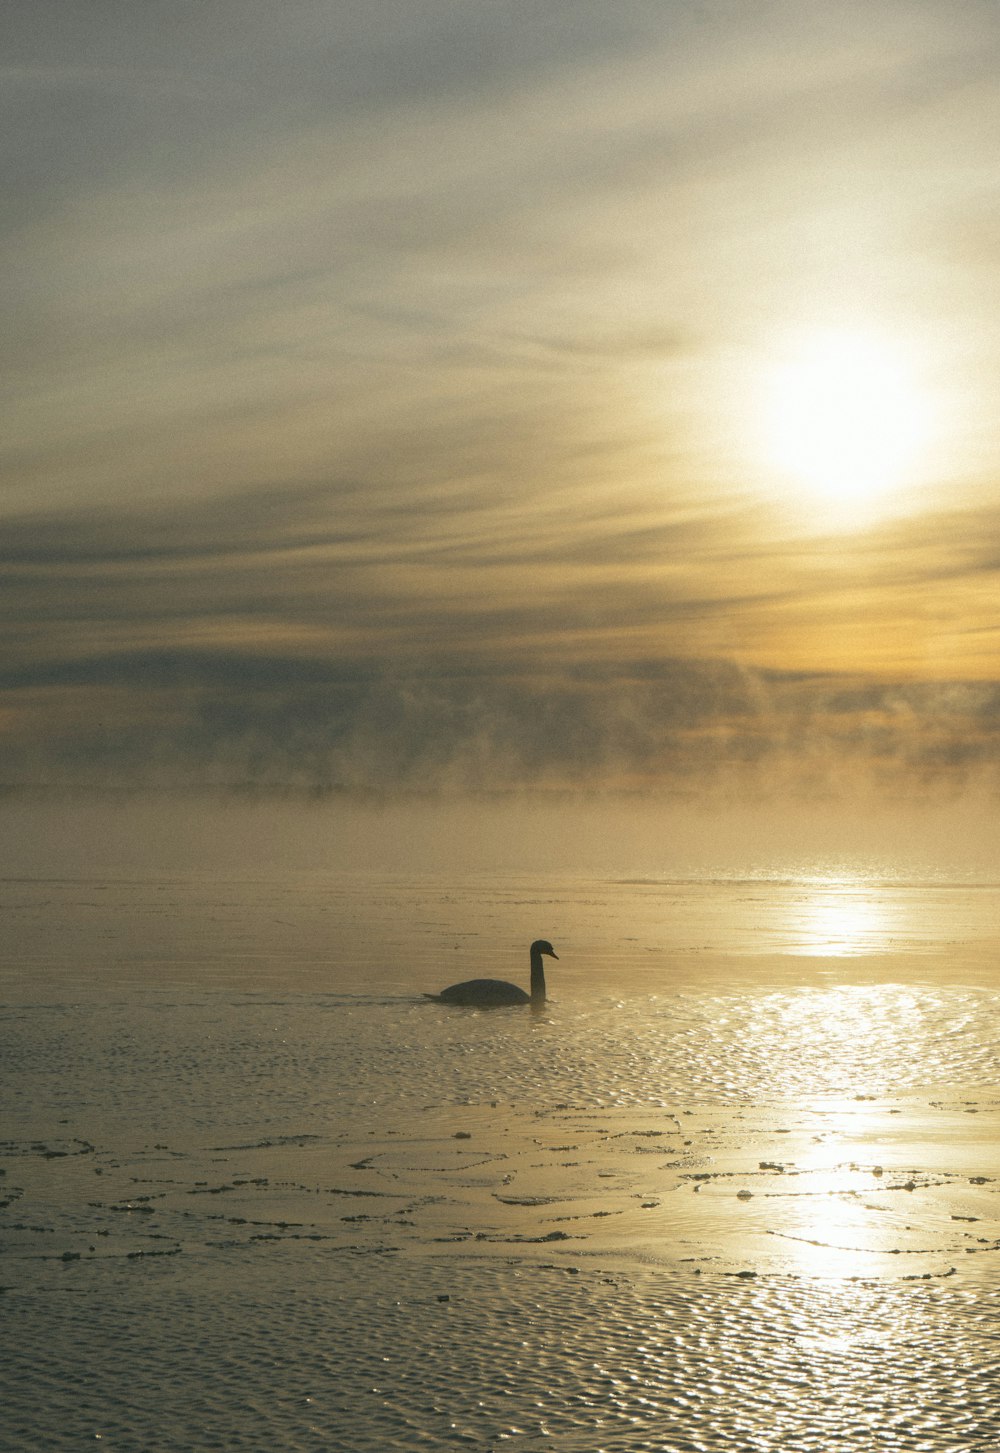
(844, 918)
(839, 1226)
(734, 1187)
(840, 1217)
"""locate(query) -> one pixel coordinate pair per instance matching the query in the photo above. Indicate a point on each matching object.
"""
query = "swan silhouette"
(497, 993)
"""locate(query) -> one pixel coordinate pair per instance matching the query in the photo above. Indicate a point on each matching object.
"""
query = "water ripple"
(483, 1356)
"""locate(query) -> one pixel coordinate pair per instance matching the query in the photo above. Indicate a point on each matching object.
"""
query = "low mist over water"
(622, 835)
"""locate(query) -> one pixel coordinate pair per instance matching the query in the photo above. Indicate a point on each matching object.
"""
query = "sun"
(846, 419)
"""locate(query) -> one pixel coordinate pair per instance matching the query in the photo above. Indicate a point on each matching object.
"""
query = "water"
(735, 1188)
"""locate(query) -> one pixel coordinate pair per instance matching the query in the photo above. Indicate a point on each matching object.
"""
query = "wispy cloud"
(374, 384)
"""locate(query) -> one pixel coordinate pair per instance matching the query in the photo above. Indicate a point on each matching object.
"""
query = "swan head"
(542, 946)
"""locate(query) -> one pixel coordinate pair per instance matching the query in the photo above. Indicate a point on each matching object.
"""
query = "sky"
(502, 397)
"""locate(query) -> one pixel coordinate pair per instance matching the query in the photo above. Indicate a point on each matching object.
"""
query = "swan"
(497, 993)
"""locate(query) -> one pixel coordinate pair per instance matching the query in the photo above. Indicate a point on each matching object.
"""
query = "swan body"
(497, 993)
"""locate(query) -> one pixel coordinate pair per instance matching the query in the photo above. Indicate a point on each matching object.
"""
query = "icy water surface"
(734, 1188)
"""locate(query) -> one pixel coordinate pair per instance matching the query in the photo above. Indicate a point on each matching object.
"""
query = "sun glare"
(846, 419)
(846, 917)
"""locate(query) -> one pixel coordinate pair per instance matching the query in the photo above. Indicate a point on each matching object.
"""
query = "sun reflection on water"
(834, 1238)
(843, 1039)
(833, 1228)
(846, 917)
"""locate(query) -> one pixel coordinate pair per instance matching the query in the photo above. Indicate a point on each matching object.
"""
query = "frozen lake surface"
(734, 1188)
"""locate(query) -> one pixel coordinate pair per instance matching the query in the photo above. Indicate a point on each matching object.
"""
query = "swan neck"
(537, 977)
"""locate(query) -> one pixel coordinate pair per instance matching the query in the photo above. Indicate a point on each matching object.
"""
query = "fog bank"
(616, 836)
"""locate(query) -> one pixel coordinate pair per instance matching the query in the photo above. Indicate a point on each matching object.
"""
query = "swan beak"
(553, 954)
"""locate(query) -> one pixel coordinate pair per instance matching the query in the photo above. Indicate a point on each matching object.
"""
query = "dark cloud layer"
(690, 728)
(223, 649)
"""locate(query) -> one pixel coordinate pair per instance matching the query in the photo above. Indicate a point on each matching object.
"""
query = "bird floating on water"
(497, 993)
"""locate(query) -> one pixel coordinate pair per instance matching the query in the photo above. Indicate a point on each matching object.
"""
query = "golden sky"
(477, 393)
